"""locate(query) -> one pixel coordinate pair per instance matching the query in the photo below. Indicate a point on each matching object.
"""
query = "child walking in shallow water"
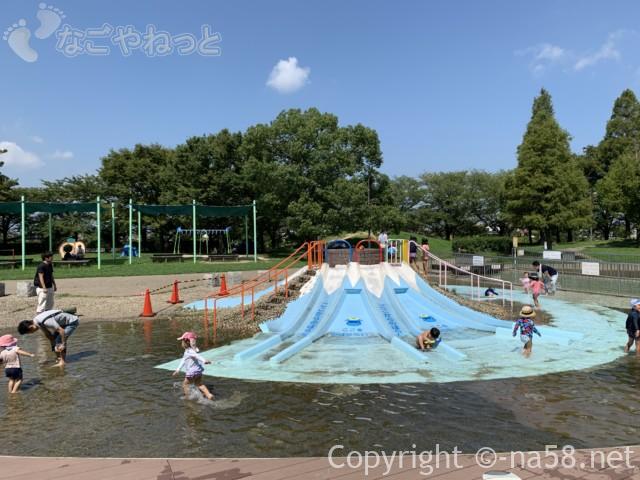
(193, 364)
(527, 329)
(537, 287)
(10, 356)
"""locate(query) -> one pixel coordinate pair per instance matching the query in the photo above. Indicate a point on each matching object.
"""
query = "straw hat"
(527, 312)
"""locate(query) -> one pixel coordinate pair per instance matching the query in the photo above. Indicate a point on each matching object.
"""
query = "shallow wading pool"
(111, 401)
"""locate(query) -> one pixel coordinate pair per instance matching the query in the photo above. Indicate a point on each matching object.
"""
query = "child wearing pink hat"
(193, 364)
(10, 356)
(192, 337)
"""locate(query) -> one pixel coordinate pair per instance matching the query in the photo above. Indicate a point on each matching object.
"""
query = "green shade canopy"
(201, 210)
(33, 207)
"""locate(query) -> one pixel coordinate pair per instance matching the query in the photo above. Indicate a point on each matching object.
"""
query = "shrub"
(482, 243)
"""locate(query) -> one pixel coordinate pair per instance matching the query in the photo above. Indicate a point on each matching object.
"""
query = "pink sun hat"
(8, 341)
(188, 336)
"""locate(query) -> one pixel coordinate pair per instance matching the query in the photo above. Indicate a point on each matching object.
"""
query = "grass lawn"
(140, 266)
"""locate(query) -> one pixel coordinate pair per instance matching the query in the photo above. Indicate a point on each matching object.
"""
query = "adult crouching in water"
(57, 326)
(45, 283)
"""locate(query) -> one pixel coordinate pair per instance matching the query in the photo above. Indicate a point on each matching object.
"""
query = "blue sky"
(447, 85)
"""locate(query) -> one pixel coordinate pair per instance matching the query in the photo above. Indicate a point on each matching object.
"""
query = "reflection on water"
(110, 401)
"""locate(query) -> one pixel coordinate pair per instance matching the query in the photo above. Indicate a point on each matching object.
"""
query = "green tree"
(8, 193)
(310, 176)
(547, 191)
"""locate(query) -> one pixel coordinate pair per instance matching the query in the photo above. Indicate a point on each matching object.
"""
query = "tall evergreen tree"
(622, 135)
(547, 191)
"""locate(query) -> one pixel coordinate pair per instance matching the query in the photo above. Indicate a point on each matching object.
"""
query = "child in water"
(193, 364)
(527, 329)
(537, 287)
(428, 339)
(10, 356)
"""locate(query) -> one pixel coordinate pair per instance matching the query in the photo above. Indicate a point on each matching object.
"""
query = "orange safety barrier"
(223, 292)
(147, 310)
(175, 295)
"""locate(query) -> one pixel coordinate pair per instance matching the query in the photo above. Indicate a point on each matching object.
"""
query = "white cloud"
(36, 139)
(18, 159)
(608, 51)
(61, 155)
(543, 56)
(287, 76)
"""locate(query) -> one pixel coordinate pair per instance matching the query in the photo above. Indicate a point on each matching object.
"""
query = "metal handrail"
(473, 276)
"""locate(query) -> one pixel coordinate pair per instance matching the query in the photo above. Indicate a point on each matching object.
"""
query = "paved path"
(620, 463)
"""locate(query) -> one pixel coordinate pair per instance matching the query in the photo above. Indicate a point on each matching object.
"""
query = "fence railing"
(612, 278)
(279, 273)
(448, 271)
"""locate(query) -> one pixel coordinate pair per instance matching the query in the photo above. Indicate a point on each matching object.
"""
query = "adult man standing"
(57, 326)
(45, 283)
(551, 272)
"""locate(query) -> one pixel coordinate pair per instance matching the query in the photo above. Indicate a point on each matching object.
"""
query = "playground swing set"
(204, 235)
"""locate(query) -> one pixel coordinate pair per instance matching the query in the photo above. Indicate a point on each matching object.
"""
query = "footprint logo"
(50, 20)
(18, 36)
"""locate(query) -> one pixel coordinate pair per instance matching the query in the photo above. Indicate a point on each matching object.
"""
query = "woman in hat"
(10, 356)
(527, 329)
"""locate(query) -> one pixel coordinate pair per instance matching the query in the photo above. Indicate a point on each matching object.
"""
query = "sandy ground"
(112, 298)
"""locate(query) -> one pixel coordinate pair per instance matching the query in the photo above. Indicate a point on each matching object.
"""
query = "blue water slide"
(456, 309)
(420, 308)
(290, 322)
(391, 326)
(297, 309)
(391, 295)
(316, 326)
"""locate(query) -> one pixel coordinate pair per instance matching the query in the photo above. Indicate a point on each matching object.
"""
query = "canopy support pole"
(22, 230)
(139, 234)
(130, 231)
(246, 236)
(194, 231)
(255, 235)
(113, 231)
(99, 233)
(50, 235)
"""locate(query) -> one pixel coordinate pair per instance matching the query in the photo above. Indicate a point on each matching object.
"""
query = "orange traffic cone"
(147, 310)
(223, 286)
(175, 296)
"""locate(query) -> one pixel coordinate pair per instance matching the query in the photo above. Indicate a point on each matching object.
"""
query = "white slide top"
(408, 274)
(332, 278)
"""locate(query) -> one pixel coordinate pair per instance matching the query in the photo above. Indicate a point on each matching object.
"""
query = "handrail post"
(206, 310)
(242, 296)
(286, 283)
(253, 305)
(215, 320)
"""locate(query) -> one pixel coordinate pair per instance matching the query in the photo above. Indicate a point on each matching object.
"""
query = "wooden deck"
(537, 465)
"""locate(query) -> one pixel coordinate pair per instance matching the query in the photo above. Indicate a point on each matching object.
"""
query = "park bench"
(223, 258)
(85, 262)
(166, 257)
(10, 263)
(74, 263)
